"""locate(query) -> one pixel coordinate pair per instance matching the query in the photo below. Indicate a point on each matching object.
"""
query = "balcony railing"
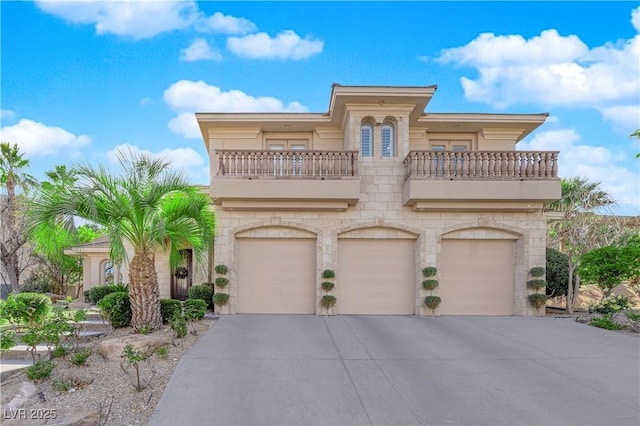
(482, 165)
(287, 164)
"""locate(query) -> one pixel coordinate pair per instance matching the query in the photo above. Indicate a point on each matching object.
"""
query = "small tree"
(609, 266)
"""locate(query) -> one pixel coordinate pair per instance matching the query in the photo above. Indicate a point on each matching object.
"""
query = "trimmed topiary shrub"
(221, 282)
(328, 274)
(194, 309)
(429, 271)
(538, 300)
(537, 271)
(34, 307)
(201, 292)
(96, 293)
(327, 301)
(430, 284)
(116, 308)
(432, 302)
(536, 284)
(327, 285)
(220, 299)
(221, 269)
(170, 308)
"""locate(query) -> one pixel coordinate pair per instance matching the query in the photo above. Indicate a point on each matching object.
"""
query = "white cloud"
(184, 159)
(286, 45)
(137, 19)
(199, 50)
(7, 114)
(186, 97)
(37, 139)
(146, 101)
(597, 163)
(225, 24)
(551, 70)
(624, 116)
(635, 18)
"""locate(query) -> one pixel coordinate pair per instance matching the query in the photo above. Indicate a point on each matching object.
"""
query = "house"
(375, 189)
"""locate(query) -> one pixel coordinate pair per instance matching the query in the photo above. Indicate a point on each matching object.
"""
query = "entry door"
(182, 277)
(456, 163)
(287, 165)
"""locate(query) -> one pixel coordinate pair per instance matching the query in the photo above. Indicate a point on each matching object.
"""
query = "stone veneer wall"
(380, 210)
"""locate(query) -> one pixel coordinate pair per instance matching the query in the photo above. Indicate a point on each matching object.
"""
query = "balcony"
(286, 180)
(480, 180)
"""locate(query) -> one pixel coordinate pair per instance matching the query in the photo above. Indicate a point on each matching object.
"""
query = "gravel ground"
(105, 386)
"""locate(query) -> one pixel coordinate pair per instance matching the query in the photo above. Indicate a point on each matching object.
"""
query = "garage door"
(477, 277)
(276, 276)
(376, 276)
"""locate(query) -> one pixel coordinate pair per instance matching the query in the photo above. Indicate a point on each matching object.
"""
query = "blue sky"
(84, 78)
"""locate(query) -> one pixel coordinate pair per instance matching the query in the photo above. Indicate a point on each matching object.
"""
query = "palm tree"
(580, 229)
(13, 178)
(147, 206)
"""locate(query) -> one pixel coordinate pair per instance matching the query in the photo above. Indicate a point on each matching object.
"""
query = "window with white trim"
(387, 140)
(366, 140)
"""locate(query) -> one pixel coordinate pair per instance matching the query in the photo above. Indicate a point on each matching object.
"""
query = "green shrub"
(220, 299)
(60, 351)
(12, 310)
(432, 302)
(86, 296)
(35, 307)
(557, 273)
(606, 323)
(133, 356)
(7, 340)
(221, 269)
(430, 284)
(327, 301)
(201, 292)
(80, 358)
(537, 271)
(179, 326)
(116, 308)
(328, 274)
(611, 306)
(97, 293)
(119, 288)
(40, 370)
(536, 284)
(194, 309)
(163, 352)
(327, 285)
(221, 282)
(170, 308)
(36, 282)
(633, 316)
(60, 385)
(429, 271)
(538, 300)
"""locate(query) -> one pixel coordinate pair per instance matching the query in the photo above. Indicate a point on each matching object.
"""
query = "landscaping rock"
(77, 417)
(111, 349)
(19, 393)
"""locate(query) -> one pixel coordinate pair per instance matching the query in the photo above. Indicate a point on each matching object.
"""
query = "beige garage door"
(376, 276)
(276, 276)
(477, 277)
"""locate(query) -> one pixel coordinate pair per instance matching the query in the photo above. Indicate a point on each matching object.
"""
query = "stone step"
(9, 368)
(20, 352)
(93, 325)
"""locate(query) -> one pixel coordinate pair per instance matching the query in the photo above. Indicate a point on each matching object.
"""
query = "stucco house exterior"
(376, 189)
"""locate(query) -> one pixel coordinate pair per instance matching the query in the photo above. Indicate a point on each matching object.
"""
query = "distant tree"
(609, 266)
(557, 273)
(636, 134)
(14, 184)
(581, 229)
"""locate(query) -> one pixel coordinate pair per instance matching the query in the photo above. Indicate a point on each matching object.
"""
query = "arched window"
(366, 140)
(387, 140)
(107, 272)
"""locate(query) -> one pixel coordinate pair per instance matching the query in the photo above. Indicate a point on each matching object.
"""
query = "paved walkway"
(403, 370)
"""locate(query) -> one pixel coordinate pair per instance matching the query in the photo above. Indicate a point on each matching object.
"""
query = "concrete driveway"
(403, 370)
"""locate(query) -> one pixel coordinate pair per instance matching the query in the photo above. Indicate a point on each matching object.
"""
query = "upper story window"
(366, 140)
(387, 140)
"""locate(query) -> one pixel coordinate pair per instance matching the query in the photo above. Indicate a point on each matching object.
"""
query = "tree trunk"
(572, 292)
(144, 292)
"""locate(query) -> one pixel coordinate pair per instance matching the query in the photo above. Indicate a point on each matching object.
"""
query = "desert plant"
(169, 308)
(432, 302)
(328, 274)
(179, 326)
(634, 319)
(60, 385)
(133, 356)
(194, 309)
(429, 271)
(537, 271)
(60, 351)
(221, 269)
(33, 337)
(537, 300)
(80, 357)
(76, 319)
(220, 299)
(201, 292)
(40, 370)
(54, 328)
(328, 301)
(145, 329)
(606, 323)
(7, 339)
(610, 307)
(116, 308)
(221, 282)
(163, 352)
(35, 307)
(118, 288)
(97, 293)
(536, 284)
(430, 284)
(327, 285)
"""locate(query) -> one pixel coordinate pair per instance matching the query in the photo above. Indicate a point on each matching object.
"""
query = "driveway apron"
(404, 370)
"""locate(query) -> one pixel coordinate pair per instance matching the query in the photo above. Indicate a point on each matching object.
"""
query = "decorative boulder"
(111, 349)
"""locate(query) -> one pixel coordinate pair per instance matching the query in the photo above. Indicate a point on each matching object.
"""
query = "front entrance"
(182, 277)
